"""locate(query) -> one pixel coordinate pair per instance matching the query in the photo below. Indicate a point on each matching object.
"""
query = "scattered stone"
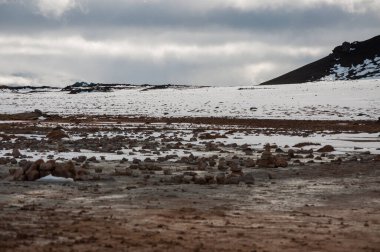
(167, 172)
(291, 153)
(65, 170)
(220, 178)
(248, 178)
(249, 162)
(57, 134)
(16, 153)
(267, 160)
(326, 148)
(280, 161)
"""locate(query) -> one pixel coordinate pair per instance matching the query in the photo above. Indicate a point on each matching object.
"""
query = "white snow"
(51, 178)
(319, 100)
(369, 69)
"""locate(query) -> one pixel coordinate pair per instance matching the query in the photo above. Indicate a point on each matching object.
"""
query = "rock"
(23, 162)
(13, 161)
(279, 150)
(200, 180)
(220, 178)
(222, 165)
(82, 175)
(19, 175)
(210, 179)
(249, 162)
(47, 168)
(81, 159)
(235, 167)
(291, 153)
(167, 172)
(280, 161)
(92, 159)
(57, 134)
(266, 160)
(233, 180)
(248, 178)
(326, 148)
(38, 112)
(187, 179)
(16, 153)
(32, 175)
(12, 171)
(376, 158)
(65, 170)
(202, 165)
(136, 161)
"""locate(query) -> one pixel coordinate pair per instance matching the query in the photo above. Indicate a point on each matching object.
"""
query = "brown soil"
(310, 207)
(320, 208)
(369, 126)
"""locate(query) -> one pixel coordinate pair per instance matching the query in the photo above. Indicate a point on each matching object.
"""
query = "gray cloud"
(227, 42)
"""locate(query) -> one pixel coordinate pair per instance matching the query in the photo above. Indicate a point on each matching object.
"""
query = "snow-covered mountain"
(349, 61)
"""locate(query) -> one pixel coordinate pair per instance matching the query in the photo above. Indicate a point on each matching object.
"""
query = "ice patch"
(51, 178)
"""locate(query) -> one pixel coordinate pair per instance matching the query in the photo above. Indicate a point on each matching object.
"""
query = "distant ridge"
(349, 61)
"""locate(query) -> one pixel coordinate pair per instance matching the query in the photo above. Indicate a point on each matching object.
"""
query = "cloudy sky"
(213, 42)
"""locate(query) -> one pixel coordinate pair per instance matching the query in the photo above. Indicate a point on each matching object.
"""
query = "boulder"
(18, 175)
(266, 160)
(280, 161)
(220, 178)
(32, 175)
(249, 162)
(248, 178)
(65, 170)
(57, 134)
(291, 153)
(16, 153)
(326, 148)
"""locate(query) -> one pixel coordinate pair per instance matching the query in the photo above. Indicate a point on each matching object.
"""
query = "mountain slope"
(349, 61)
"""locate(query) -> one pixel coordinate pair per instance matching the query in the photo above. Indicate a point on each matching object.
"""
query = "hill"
(349, 61)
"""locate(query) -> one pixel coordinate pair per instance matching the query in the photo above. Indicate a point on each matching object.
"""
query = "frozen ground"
(323, 100)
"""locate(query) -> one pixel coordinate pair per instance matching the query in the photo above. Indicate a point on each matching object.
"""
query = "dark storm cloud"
(200, 42)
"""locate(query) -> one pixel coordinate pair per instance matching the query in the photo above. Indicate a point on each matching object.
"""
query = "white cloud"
(157, 50)
(352, 6)
(55, 8)
(10, 80)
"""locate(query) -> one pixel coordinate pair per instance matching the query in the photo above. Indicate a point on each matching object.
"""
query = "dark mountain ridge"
(349, 61)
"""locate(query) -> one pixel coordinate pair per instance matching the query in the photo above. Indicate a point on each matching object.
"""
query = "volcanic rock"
(16, 153)
(248, 178)
(57, 134)
(65, 170)
(326, 148)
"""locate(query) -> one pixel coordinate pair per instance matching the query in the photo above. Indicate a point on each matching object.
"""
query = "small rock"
(16, 153)
(326, 148)
(248, 178)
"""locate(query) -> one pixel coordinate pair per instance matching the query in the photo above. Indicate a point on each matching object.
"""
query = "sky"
(198, 42)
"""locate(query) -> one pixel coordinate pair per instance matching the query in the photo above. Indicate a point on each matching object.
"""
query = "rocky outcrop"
(349, 61)
(31, 171)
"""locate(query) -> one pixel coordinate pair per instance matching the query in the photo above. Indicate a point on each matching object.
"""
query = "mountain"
(349, 61)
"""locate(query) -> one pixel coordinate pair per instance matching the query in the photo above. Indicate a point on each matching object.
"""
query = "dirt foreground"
(316, 206)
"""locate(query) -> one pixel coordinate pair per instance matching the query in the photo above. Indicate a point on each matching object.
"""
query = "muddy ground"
(332, 204)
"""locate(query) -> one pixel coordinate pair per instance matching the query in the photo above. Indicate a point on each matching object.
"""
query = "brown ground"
(317, 207)
(320, 208)
(369, 126)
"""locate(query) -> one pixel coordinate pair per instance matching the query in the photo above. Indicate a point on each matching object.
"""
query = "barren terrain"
(206, 184)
